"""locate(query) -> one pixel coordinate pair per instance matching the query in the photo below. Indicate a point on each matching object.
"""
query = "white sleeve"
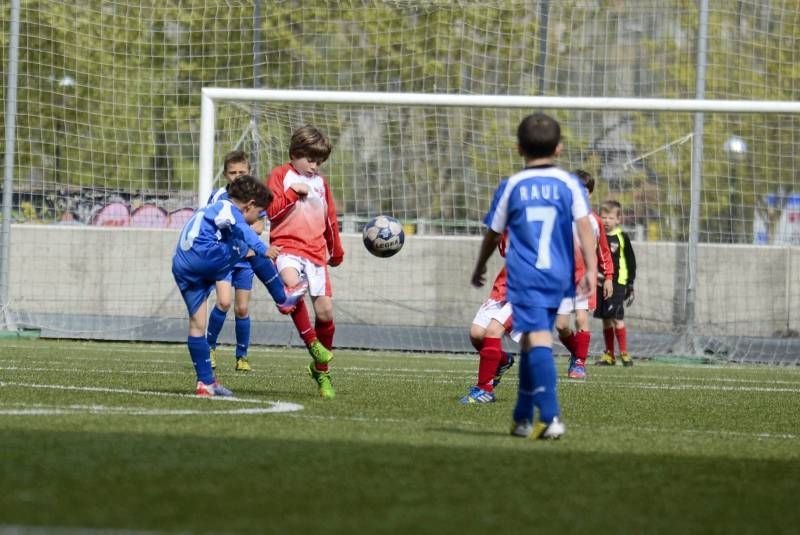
(499, 218)
(225, 219)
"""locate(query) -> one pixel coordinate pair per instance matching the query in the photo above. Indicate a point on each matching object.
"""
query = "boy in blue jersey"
(211, 243)
(537, 208)
(239, 283)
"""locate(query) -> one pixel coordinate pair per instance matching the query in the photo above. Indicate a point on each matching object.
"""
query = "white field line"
(272, 406)
(720, 388)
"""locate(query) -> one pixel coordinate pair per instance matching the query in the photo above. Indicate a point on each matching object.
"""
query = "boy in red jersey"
(578, 342)
(303, 224)
(492, 321)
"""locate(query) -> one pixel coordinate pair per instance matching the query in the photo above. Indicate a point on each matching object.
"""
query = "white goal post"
(692, 211)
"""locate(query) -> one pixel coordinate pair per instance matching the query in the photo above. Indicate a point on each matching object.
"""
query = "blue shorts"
(530, 318)
(241, 277)
(194, 291)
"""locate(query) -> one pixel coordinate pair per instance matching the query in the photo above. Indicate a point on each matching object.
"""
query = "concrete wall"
(747, 290)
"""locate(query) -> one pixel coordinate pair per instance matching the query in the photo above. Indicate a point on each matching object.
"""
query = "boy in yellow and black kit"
(612, 310)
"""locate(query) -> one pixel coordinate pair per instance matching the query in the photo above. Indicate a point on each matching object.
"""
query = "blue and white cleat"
(477, 395)
(293, 295)
(577, 369)
(214, 389)
(503, 368)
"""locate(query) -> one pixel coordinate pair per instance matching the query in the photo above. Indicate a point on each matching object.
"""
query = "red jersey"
(304, 226)
(605, 264)
(498, 292)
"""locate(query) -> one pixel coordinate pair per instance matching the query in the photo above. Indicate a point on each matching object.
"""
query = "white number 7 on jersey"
(547, 216)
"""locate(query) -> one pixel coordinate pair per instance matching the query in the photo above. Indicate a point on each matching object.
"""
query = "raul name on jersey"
(535, 192)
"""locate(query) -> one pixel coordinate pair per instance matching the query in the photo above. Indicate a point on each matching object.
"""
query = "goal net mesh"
(105, 167)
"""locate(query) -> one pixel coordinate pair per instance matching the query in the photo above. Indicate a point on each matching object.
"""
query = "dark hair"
(538, 135)
(248, 188)
(586, 179)
(611, 206)
(235, 156)
(311, 143)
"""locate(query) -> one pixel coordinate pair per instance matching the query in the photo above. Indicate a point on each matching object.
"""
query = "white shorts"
(571, 304)
(319, 282)
(499, 311)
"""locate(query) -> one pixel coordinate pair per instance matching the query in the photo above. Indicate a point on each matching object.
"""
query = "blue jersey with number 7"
(538, 206)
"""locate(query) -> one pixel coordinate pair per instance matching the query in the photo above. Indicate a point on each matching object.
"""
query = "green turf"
(657, 448)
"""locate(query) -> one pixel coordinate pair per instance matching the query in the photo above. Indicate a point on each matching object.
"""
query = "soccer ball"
(384, 236)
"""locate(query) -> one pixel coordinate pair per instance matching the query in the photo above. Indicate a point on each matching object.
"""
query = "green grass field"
(104, 436)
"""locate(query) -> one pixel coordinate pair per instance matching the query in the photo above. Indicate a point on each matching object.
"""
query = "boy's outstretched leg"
(286, 298)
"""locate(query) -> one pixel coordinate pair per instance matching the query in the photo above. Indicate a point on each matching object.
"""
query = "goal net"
(434, 163)
(106, 155)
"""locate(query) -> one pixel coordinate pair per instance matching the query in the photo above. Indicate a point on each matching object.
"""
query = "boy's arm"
(332, 238)
(605, 262)
(630, 259)
(251, 238)
(490, 242)
(588, 247)
(283, 200)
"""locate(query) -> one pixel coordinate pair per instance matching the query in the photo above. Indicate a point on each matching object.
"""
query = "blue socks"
(266, 272)
(201, 358)
(242, 336)
(215, 322)
(537, 386)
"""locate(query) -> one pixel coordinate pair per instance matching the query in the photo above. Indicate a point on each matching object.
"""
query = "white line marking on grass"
(656, 386)
(273, 406)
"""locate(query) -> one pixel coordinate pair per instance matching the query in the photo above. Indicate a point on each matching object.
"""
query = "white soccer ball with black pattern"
(384, 236)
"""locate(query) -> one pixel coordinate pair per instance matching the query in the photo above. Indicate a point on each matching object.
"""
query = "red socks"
(622, 339)
(608, 336)
(325, 330)
(569, 342)
(490, 355)
(303, 323)
(582, 339)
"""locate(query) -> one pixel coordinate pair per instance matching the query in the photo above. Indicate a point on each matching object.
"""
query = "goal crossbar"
(210, 95)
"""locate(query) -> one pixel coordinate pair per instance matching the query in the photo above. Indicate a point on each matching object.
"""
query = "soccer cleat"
(213, 358)
(477, 395)
(323, 380)
(626, 359)
(606, 359)
(577, 369)
(319, 352)
(521, 429)
(214, 389)
(503, 368)
(551, 431)
(543, 431)
(243, 365)
(293, 295)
